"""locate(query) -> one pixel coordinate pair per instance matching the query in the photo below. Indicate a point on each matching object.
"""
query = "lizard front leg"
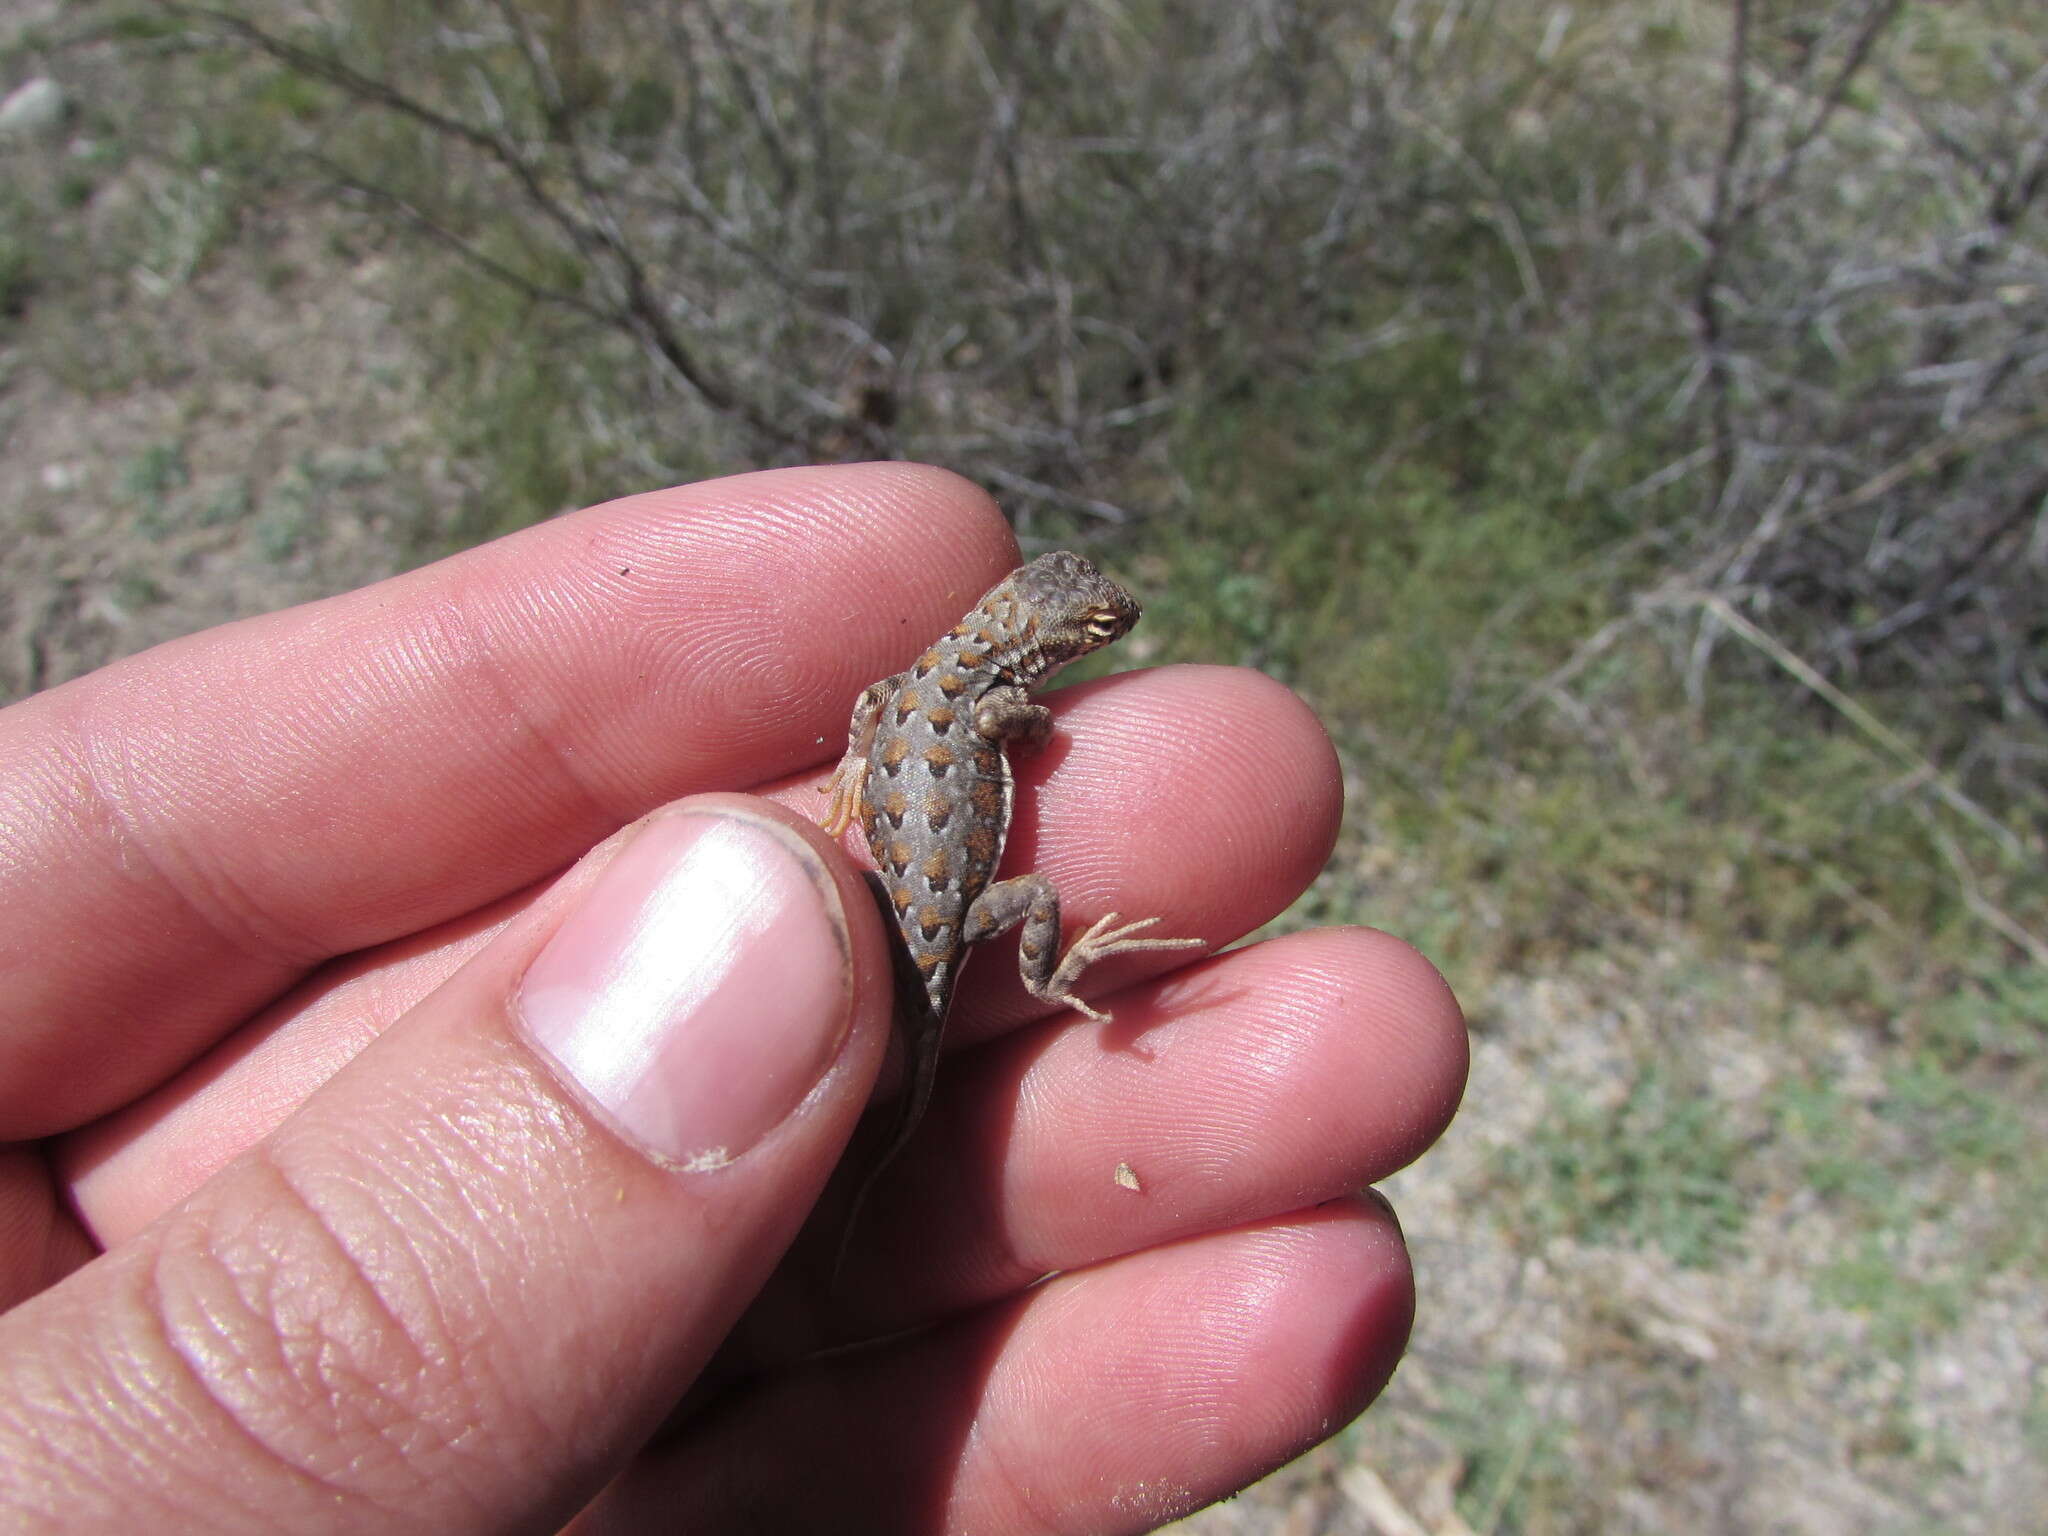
(851, 776)
(1006, 714)
(1048, 975)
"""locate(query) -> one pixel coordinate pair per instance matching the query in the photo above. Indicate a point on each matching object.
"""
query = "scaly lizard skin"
(927, 773)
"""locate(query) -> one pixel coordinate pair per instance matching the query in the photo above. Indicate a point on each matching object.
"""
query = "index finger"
(184, 833)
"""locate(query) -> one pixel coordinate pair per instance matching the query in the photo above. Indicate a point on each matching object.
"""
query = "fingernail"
(1386, 1206)
(699, 989)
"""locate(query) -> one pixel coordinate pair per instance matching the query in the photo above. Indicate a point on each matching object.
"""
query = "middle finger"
(1265, 1081)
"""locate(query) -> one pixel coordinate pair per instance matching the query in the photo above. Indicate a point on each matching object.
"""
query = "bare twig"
(1718, 232)
(1860, 717)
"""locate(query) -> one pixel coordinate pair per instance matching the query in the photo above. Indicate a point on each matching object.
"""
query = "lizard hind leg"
(1049, 975)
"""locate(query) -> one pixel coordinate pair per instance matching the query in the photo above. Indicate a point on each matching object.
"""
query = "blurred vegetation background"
(1623, 420)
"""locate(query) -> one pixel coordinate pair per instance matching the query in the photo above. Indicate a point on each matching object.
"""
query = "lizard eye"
(1102, 626)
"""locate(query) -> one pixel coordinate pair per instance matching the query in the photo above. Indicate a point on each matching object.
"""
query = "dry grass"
(1622, 424)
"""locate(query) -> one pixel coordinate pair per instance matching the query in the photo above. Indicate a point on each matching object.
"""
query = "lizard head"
(1055, 610)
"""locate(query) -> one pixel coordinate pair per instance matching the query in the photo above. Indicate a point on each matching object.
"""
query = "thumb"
(468, 1278)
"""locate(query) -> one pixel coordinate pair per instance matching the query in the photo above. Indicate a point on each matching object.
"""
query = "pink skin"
(502, 711)
(698, 917)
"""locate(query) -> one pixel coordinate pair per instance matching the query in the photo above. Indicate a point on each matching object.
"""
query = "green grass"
(17, 274)
(1517, 1476)
(1656, 1170)
(301, 497)
(1418, 539)
(514, 415)
(1945, 1148)
(1419, 568)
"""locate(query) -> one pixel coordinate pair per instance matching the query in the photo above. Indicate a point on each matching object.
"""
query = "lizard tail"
(918, 1027)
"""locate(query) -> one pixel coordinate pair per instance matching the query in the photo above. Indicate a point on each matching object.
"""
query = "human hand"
(303, 1035)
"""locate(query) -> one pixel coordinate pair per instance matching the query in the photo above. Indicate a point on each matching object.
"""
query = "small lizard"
(926, 772)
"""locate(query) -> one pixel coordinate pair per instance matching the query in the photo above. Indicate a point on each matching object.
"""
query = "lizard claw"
(1105, 938)
(1068, 1000)
(1108, 935)
(845, 786)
